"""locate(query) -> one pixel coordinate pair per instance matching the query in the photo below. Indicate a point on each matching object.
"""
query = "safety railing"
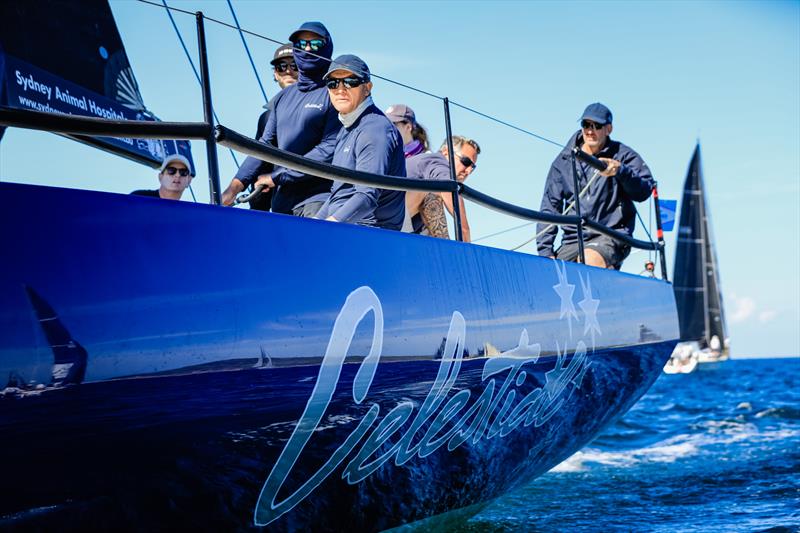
(213, 135)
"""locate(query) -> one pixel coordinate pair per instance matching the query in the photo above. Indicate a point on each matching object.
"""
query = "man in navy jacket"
(303, 122)
(368, 142)
(608, 199)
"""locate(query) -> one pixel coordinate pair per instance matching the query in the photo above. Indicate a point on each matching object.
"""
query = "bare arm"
(432, 213)
(447, 198)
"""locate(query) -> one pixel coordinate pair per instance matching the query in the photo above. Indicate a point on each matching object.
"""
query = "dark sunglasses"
(314, 44)
(283, 67)
(589, 125)
(183, 172)
(466, 161)
(349, 83)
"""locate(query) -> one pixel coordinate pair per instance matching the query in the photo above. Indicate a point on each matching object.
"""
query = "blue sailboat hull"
(248, 369)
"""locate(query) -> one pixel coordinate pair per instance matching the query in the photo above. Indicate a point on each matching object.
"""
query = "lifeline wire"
(247, 49)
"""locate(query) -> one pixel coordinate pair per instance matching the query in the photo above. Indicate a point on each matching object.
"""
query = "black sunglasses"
(589, 125)
(314, 44)
(283, 67)
(183, 172)
(466, 161)
(349, 83)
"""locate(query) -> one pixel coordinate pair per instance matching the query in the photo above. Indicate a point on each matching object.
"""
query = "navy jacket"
(372, 144)
(608, 201)
(303, 123)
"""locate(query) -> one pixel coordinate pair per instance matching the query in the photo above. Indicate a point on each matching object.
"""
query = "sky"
(724, 74)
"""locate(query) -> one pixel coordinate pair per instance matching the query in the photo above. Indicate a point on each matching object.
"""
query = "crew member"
(368, 142)
(608, 199)
(175, 175)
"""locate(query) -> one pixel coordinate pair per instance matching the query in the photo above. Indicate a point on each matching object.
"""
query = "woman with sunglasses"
(174, 176)
(368, 142)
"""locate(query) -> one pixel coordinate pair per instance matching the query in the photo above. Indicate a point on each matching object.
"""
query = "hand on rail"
(612, 168)
(229, 195)
(246, 197)
(265, 181)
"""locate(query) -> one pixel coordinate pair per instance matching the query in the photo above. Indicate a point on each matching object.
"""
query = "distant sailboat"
(704, 335)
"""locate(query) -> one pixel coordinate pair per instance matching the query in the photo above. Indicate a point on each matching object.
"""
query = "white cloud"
(766, 316)
(743, 308)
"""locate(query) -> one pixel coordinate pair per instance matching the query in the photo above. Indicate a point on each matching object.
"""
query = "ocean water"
(715, 450)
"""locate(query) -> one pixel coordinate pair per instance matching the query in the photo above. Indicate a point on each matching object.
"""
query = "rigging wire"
(247, 49)
(378, 76)
(564, 212)
(504, 123)
(495, 234)
(189, 57)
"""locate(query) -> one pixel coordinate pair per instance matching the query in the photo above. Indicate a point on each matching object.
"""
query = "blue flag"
(668, 208)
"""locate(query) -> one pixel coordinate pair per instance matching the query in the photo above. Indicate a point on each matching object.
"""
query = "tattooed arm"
(447, 198)
(432, 213)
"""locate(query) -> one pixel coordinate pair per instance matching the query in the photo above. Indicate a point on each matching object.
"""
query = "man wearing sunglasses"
(606, 197)
(368, 142)
(425, 210)
(302, 121)
(174, 176)
(284, 71)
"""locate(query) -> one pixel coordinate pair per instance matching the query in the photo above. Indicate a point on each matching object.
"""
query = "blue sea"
(715, 450)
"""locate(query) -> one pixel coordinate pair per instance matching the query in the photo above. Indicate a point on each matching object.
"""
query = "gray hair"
(459, 140)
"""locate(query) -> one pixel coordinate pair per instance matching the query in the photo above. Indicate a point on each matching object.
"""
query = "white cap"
(170, 158)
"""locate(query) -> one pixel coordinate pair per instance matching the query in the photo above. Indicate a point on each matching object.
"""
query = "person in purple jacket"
(303, 122)
(368, 142)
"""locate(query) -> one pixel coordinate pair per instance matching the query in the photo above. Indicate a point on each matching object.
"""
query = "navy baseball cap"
(350, 63)
(313, 26)
(597, 112)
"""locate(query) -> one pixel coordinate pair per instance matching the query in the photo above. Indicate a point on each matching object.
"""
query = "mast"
(700, 191)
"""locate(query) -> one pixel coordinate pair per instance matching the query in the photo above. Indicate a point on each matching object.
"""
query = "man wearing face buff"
(368, 142)
(303, 122)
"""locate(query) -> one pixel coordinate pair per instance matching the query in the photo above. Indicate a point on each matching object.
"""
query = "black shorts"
(613, 251)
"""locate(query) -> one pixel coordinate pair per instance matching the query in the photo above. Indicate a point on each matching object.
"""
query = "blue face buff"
(313, 57)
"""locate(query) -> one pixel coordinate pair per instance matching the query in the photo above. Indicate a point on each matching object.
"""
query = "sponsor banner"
(29, 87)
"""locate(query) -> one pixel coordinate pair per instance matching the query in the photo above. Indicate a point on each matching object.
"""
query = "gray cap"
(350, 63)
(400, 113)
(284, 52)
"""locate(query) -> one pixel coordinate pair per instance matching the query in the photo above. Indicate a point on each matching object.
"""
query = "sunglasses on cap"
(183, 172)
(589, 125)
(314, 44)
(284, 67)
(466, 161)
(349, 83)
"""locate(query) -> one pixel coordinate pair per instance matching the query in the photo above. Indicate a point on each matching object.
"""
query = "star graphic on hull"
(589, 307)
(565, 291)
